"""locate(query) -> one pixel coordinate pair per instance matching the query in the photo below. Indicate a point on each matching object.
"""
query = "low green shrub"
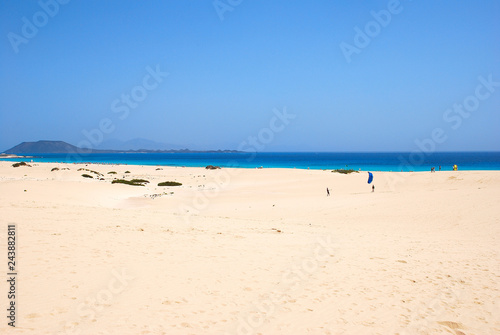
(91, 171)
(86, 176)
(20, 164)
(133, 182)
(140, 181)
(169, 183)
(345, 171)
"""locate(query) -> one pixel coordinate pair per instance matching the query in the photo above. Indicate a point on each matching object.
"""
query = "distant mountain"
(45, 147)
(60, 147)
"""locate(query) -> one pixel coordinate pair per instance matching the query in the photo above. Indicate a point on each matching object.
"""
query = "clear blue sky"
(227, 75)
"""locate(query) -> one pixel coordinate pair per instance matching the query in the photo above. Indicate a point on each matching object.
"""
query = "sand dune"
(264, 251)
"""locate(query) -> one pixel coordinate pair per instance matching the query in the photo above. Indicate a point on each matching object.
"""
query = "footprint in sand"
(453, 327)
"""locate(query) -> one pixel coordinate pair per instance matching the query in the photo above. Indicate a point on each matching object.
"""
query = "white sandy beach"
(251, 251)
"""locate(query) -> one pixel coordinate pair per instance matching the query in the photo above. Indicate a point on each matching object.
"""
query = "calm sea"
(300, 160)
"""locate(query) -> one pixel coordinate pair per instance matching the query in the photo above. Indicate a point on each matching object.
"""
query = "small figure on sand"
(327, 192)
(439, 167)
(373, 188)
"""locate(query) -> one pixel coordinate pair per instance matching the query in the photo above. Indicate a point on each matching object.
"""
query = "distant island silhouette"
(61, 147)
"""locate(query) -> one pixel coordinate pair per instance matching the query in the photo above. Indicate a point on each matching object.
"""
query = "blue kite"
(370, 177)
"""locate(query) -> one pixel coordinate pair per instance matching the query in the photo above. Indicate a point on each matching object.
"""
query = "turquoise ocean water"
(417, 161)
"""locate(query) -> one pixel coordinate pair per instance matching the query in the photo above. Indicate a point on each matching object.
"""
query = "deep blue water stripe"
(364, 161)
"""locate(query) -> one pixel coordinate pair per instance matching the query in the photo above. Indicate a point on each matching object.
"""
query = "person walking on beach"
(327, 192)
(373, 188)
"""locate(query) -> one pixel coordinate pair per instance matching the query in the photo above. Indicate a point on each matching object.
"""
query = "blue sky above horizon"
(228, 77)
